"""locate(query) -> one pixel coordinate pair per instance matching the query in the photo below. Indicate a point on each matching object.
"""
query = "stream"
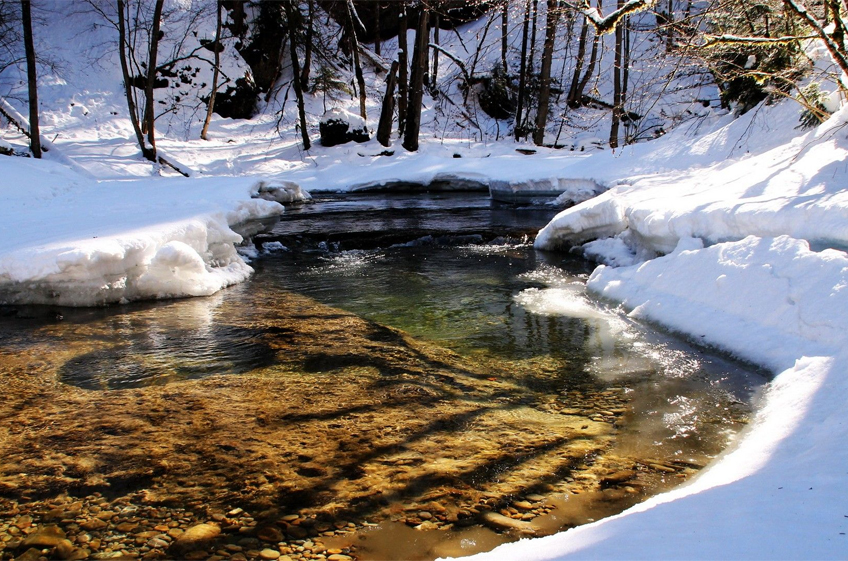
(404, 377)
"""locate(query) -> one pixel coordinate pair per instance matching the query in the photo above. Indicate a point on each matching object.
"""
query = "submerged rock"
(195, 537)
(501, 522)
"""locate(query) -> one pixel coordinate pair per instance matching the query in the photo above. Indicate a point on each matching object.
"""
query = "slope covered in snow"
(721, 253)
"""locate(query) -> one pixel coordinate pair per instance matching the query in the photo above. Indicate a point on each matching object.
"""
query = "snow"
(728, 230)
(69, 240)
(721, 253)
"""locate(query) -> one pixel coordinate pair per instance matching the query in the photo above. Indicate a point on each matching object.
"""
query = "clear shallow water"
(407, 389)
(504, 301)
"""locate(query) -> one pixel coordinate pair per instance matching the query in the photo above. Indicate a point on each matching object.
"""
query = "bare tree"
(384, 128)
(403, 67)
(504, 33)
(124, 49)
(307, 47)
(518, 129)
(617, 97)
(215, 74)
(545, 73)
(350, 29)
(35, 135)
(290, 8)
(416, 93)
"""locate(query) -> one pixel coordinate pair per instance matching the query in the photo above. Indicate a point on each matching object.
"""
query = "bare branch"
(713, 40)
(607, 24)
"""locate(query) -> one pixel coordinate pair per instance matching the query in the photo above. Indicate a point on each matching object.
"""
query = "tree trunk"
(403, 68)
(533, 34)
(298, 90)
(616, 83)
(545, 73)
(34, 133)
(357, 66)
(593, 60)
(211, 105)
(522, 74)
(416, 93)
(307, 55)
(377, 29)
(504, 33)
(435, 74)
(384, 128)
(131, 105)
(149, 108)
(573, 101)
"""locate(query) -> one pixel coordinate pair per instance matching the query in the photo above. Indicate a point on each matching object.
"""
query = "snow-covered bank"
(756, 290)
(795, 188)
(68, 240)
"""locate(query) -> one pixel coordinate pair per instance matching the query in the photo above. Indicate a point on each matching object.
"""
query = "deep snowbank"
(796, 189)
(755, 290)
(71, 241)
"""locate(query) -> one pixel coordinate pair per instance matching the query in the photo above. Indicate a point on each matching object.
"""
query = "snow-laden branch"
(456, 61)
(836, 50)
(606, 24)
(713, 40)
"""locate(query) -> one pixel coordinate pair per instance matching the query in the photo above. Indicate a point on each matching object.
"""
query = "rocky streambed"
(353, 431)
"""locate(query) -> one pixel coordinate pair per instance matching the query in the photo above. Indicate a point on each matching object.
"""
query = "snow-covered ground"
(707, 231)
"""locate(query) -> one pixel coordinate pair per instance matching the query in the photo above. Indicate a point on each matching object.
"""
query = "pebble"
(501, 522)
(339, 557)
(93, 524)
(48, 536)
(269, 554)
(269, 534)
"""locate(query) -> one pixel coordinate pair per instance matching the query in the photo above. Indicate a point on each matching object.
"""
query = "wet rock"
(270, 554)
(297, 532)
(195, 537)
(339, 557)
(126, 527)
(269, 534)
(522, 505)
(23, 522)
(501, 522)
(31, 554)
(93, 525)
(64, 550)
(618, 477)
(48, 536)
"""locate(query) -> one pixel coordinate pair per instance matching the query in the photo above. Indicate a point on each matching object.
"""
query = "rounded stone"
(269, 554)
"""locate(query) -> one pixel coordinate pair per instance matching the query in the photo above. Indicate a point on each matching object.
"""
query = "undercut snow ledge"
(192, 258)
(70, 241)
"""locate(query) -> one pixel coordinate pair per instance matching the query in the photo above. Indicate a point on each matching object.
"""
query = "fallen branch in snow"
(608, 23)
(22, 124)
(167, 160)
(19, 121)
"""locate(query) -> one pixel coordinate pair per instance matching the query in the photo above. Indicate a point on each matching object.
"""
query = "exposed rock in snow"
(338, 127)
(283, 192)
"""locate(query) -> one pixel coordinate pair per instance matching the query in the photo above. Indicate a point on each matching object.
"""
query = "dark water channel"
(403, 378)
